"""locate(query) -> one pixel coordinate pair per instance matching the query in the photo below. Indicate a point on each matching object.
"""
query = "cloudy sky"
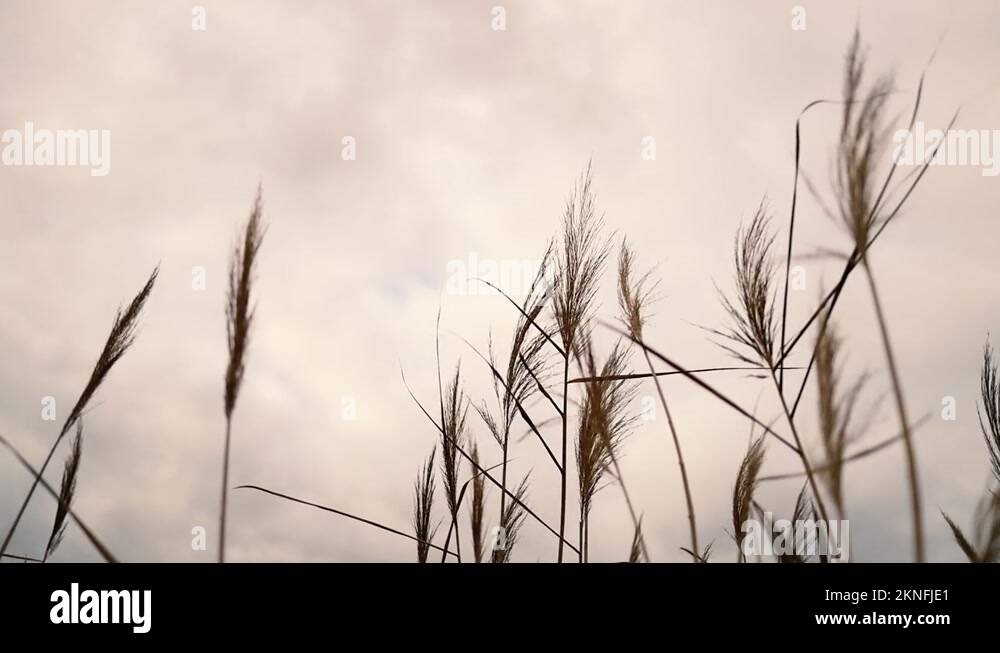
(468, 140)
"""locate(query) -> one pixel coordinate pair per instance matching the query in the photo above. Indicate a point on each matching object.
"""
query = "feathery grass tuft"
(989, 381)
(744, 489)
(239, 319)
(67, 490)
(239, 308)
(578, 267)
(604, 425)
(510, 524)
(423, 507)
(634, 294)
(476, 516)
(578, 264)
(454, 412)
(752, 314)
(862, 136)
(836, 411)
(752, 319)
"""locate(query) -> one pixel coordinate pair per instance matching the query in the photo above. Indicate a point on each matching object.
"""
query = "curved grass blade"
(383, 527)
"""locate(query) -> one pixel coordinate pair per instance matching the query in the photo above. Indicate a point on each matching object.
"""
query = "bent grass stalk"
(121, 338)
(633, 295)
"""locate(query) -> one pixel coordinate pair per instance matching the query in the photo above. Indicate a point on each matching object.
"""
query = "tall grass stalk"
(239, 319)
(633, 296)
(578, 267)
(861, 139)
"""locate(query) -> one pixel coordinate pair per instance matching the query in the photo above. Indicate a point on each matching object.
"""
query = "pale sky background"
(468, 141)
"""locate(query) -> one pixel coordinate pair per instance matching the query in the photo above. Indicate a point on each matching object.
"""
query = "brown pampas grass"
(122, 336)
(578, 266)
(453, 418)
(989, 413)
(510, 524)
(604, 425)
(67, 490)
(861, 139)
(239, 319)
(423, 507)
(752, 323)
(836, 409)
(478, 512)
(744, 489)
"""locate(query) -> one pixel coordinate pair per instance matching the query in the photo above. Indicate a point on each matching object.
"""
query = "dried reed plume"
(510, 524)
(423, 506)
(476, 516)
(633, 297)
(743, 491)
(239, 319)
(752, 318)
(836, 412)
(989, 384)
(67, 490)
(123, 332)
(604, 425)
(861, 139)
(578, 267)
(752, 315)
(454, 409)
